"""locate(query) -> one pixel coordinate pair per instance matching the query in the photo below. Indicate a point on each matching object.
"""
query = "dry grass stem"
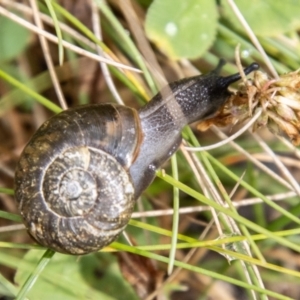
(67, 45)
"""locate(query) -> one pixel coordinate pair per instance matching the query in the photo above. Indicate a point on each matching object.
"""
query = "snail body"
(79, 176)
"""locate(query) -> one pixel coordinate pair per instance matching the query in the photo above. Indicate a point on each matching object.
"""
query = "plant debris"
(279, 100)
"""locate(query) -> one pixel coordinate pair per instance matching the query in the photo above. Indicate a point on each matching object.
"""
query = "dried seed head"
(278, 99)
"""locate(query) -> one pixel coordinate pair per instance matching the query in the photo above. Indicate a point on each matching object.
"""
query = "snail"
(78, 178)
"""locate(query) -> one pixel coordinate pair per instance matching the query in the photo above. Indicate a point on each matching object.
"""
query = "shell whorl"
(78, 198)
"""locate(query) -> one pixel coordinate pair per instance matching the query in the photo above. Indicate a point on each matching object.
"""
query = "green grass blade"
(10, 216)
(57, 30)
(42, 100)
(6, 191)
(175, 216)
(227, 211)
(199, 270)
(35, 274)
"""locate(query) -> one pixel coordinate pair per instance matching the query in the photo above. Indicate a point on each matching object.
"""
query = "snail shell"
(81, 195)
(79, 176)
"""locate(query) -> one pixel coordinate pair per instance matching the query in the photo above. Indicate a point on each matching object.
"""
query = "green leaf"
(182, 29)
(66, 277)
(266, 17)
(13, 39)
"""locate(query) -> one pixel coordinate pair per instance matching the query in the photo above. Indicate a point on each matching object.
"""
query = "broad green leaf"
(95, 276)
(266, 17)
(13, 39)
(182, 29)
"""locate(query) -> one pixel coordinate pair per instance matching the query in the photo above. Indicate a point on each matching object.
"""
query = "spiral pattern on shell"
(74, 192)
